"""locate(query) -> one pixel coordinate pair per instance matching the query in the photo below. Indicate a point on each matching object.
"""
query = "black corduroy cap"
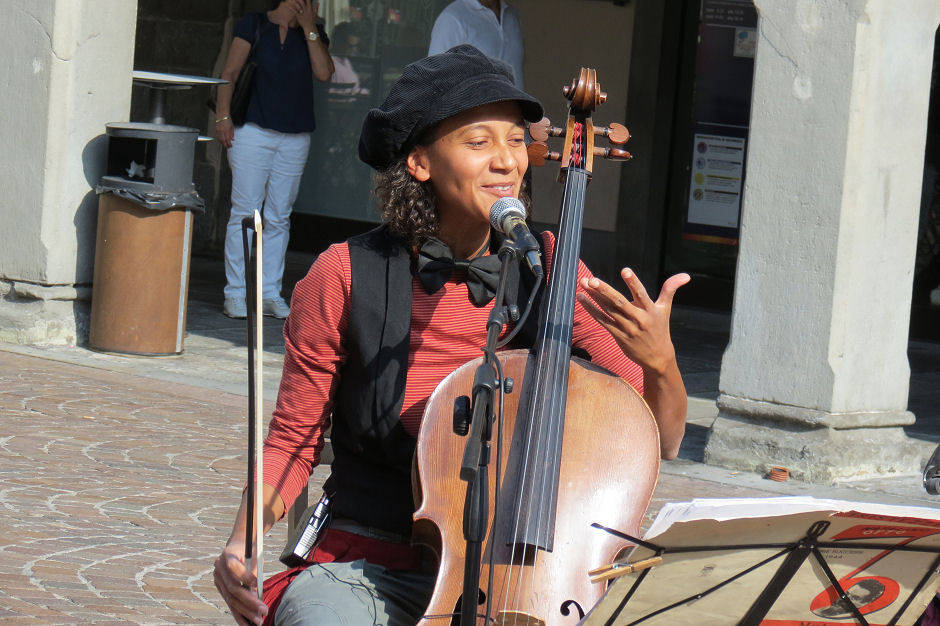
(431, 90)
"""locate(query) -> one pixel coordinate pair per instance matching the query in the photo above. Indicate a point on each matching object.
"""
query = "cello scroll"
(579, 149)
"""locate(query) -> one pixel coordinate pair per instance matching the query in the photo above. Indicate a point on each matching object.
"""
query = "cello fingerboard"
(539, 436)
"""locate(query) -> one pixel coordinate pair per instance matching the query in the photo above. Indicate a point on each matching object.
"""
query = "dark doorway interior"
(709, 147)
(925, 301)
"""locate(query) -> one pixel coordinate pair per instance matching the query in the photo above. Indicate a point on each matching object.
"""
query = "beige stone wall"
(66, 73)
(24, 101)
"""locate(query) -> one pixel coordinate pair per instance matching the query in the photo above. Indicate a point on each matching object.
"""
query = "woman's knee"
(303, 613)
(337, 593)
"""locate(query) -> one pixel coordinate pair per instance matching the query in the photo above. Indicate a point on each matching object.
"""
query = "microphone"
(507, 215)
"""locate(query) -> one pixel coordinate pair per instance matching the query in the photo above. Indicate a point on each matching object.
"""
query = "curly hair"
(408, 206)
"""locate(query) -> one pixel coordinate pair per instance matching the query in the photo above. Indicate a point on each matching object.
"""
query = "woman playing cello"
(382, 318)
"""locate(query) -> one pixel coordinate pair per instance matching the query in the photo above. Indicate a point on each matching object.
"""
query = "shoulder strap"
(259, 20)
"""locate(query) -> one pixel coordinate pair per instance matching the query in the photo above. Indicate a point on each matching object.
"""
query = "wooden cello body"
(577, 446)
(606, 477)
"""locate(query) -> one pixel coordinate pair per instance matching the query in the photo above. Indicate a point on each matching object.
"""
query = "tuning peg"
(543, 129)
(614, 154)
(617, 134)
(539, 153)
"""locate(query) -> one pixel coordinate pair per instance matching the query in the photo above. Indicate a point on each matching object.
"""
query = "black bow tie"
(436, 265)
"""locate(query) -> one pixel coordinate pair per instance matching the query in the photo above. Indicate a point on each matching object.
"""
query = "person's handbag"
(241, 91)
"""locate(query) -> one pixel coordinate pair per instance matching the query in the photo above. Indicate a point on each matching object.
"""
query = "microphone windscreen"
(503, 208)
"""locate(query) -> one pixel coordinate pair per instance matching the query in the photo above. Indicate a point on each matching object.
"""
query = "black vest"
(370, 478)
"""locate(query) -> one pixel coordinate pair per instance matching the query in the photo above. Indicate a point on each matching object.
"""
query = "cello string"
(549, 401)
(531, 415)
(560, 403)
(521, 486)
(567, 273)
(521, 489)
(566, 276)
(552, 409)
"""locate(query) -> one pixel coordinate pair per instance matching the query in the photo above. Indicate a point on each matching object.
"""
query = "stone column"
(67, 72)
(816, 375)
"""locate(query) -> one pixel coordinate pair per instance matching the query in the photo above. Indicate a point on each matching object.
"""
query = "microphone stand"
(476, 457)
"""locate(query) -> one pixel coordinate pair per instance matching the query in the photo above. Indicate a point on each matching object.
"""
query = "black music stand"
(721, 572)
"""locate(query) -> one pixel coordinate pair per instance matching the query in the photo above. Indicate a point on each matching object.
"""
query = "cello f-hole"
(481, 599)
(566, 608)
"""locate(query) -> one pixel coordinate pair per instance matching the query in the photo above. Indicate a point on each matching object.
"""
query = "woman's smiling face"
(475, 158)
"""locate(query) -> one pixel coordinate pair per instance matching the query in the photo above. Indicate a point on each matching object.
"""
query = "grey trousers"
(355, 594)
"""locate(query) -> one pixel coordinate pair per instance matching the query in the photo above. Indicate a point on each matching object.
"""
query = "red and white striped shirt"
(446, 332)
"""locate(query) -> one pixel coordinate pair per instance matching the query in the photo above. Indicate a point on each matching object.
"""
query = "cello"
(582, 446)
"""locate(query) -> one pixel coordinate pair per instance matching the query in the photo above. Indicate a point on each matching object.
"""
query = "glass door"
(707, 177)
(370, 41)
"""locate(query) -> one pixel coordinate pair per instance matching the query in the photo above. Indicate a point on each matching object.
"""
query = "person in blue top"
(268, 152)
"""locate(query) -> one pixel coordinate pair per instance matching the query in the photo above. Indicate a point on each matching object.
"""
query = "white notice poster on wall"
(715, 188)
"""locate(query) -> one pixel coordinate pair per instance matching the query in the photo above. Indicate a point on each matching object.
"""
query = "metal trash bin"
(145, 216)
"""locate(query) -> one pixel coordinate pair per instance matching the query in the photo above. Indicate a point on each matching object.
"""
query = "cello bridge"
(515, 618)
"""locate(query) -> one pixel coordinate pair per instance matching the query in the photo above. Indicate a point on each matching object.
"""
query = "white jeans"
(266, 170)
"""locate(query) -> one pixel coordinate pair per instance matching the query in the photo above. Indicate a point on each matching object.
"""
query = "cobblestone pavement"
(118, 492)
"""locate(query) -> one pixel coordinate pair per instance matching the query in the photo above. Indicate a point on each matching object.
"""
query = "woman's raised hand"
(640, 327)
(306, 13)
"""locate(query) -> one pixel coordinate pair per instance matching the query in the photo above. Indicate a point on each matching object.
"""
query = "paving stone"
(107, 533)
